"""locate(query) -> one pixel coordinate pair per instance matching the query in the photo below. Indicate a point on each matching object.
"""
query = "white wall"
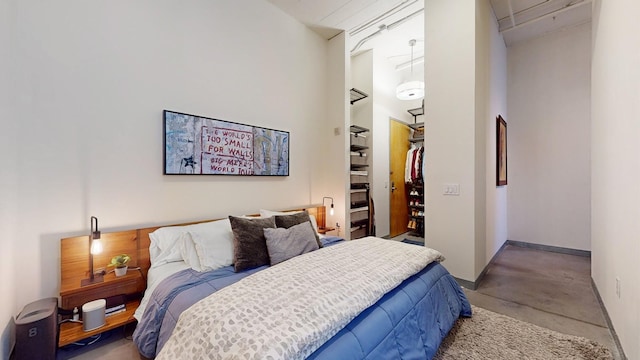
(491, 100)
(549, 86)
(464, 70)
(450, 132)
(92, 82)
(9, 157)
(615, 169)
(332, 157)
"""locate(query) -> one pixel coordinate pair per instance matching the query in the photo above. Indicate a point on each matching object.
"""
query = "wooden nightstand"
(73, 295)
(325, 230)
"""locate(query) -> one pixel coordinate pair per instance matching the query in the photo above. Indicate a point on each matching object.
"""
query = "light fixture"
(95, 248)
(331, 209)
(412, 89)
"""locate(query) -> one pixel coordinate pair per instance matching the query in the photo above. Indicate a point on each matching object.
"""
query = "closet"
(360, 210)
(414, 175)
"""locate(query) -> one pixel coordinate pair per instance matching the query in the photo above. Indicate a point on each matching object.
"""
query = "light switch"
(451, 189)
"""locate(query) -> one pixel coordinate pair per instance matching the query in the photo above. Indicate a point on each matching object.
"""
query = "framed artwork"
(501, 151)
(197, 145)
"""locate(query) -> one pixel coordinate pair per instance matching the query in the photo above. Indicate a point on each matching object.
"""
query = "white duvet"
(289, 310)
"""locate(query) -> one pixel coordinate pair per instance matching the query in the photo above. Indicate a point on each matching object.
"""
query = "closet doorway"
(399, 134)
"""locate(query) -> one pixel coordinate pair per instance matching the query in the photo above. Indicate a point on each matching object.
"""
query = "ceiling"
(388, 25)
(403, 20)
(520, 20)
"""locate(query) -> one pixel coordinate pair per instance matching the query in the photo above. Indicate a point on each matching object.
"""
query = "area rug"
(413, 242)
(488, 335)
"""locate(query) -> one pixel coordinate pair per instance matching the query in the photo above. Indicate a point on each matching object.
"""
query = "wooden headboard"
(74, 260)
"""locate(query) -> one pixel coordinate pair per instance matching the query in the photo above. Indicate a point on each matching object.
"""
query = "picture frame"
(198, 145)
(501, 151)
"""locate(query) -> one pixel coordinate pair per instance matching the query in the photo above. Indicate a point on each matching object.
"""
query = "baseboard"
(473, 285)
(609, 323)
(550, 248)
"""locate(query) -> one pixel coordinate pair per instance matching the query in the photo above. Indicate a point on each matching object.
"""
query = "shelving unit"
(418, 127)
(72, 332)
(356, 95)
(416, 210)
(418, 132)
(415, 195)
(359, 178)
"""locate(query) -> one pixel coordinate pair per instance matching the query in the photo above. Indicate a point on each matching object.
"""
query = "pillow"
(165, 245)
(249, 243)
(283, 244)
(166, 242)
(269, 213)
(188, 252)
(287, 221)
(208, 248)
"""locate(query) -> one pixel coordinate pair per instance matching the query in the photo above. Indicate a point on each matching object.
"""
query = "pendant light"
(412, 89)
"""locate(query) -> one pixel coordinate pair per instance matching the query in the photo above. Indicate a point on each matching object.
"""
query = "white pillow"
(268, 213)
(165, 245)
(188, 251)
(166, 242)
(209, 248)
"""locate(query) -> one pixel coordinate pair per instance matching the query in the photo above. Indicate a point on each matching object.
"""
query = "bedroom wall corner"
(615, 166)
(8, 157)
(88, 116)
(482, 98)
(493, 72)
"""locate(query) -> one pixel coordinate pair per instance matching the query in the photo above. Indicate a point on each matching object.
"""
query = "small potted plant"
(120, 264)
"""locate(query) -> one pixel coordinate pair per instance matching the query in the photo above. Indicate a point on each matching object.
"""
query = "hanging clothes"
(414, 165)
(407, 165)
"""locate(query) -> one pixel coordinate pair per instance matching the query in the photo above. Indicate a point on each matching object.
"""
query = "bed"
(363, 299)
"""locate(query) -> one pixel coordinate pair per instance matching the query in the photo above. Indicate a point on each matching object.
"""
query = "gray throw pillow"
(283, 244)
(249, 244)
(287, 221)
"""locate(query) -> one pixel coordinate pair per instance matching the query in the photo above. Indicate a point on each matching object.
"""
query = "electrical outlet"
(618, 287)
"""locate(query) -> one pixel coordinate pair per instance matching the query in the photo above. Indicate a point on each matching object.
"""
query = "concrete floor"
(548, 289)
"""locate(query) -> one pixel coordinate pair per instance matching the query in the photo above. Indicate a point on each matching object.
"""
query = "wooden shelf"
(71, 332)
(325, 230)
(73, 295)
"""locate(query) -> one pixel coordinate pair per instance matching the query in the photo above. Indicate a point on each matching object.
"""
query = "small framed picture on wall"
(501, 151)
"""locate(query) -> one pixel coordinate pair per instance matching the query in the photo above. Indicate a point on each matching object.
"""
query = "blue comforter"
(407, 323)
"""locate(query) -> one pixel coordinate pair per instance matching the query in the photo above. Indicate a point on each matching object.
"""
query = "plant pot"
(121, 271)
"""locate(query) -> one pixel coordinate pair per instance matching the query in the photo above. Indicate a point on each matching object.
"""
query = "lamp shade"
(410, 90)
(96, 247)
